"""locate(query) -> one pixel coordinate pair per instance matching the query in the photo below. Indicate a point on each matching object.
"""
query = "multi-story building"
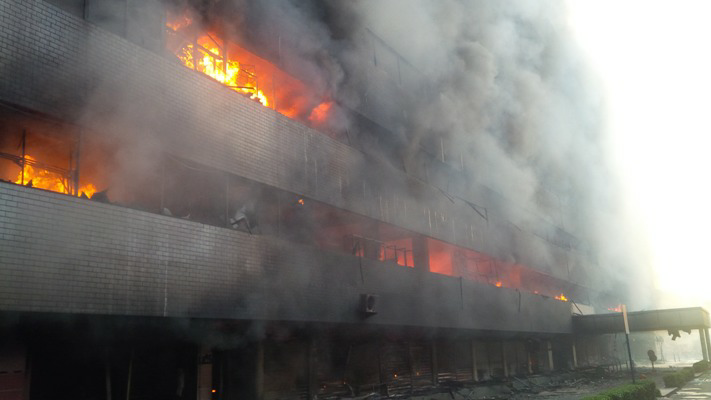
(184, 215)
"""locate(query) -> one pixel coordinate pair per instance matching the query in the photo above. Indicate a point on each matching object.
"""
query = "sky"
(653, 58)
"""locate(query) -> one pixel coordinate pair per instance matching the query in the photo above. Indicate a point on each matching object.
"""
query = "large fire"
(211, 61)
(45, 179)
(244, 72)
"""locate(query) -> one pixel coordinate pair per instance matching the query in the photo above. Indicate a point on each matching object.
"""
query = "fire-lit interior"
(37, 154)
(207, 51)
(37, 175)
(56, 158)
(447, 259)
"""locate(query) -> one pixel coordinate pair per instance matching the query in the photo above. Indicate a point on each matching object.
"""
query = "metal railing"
(375, 249)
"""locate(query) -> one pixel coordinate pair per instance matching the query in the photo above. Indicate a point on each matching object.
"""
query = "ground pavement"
(699, 388)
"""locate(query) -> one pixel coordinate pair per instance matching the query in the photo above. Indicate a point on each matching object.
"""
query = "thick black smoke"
(498, 89)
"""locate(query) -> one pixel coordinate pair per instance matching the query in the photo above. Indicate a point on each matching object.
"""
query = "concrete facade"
(64, 254)
(79, 71)
(74, 266)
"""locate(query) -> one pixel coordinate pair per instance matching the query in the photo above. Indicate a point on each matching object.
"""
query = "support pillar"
(529, 362)
(475, 370)
(708, 342)
(130, 374)
(107, 372)
(435, 368)
(259, 371)
(575, 356)
(503, 360)
(550, 356)
(204, 374)
(311, 361)
(488, 363)
(704, 349)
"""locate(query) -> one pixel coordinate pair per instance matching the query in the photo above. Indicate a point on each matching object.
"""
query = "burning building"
(189, 209)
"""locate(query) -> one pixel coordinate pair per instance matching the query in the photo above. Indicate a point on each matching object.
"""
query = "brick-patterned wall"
(64, 254)
(56, 63)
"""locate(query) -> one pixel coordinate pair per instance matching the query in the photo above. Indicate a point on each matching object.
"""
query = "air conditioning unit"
(368, 304)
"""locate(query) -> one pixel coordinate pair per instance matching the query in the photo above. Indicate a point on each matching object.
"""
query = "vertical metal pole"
(629, 354)
(274, 100)
(551, 366)
(77, 163)
(627, 336)
(708, 343)
(224, 59)
(704, 350)
(24, 135)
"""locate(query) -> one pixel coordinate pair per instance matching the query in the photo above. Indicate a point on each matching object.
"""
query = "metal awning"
(640, 321)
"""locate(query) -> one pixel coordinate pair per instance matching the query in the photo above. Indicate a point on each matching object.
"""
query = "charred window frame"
(38, 151)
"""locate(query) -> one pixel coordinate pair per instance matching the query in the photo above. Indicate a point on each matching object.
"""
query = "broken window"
(201, 45)
(41, 153)
(192, 192)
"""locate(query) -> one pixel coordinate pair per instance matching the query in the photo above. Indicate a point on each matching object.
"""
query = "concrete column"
(488, 362)
(435, 368)
(575, 356)
(311, 362)
(475, 370)
(259, 371)
(503, 359)
(550, 356)
(708, 342)
(704, 349)
(529, 362)
(204, 374)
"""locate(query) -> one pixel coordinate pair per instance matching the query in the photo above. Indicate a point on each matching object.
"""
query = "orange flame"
(319, 114)
(561, 297)
(180, 22)
(44, 179)
(229, 63)
(212, 63)
(498, 284)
